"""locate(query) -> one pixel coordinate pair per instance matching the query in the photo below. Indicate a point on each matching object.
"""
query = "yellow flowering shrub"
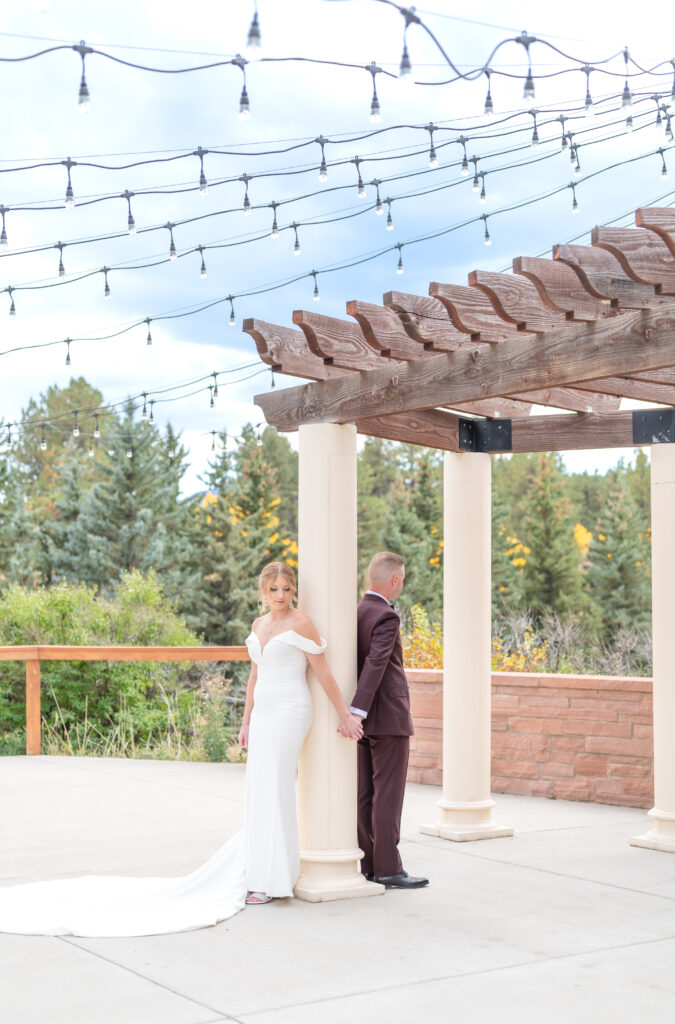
(529, 656)
(422, 641)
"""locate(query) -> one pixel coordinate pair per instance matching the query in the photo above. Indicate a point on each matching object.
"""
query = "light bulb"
(375, 115)
(629, 123)
(106, 290)
(97, 432)
(90, 453)
(244, 106)
(323, 171)
(476, 184)
(577, 168)
(43, 445)
(399, 266)
(275, 228)
(379, 209)
(68, 356)
(84, 102)
(626, 96)
(247, 206)
(361, 189)
(62, 269)
(232, 319)
(588, 103)
(575, 205)
(203, 184)
(253, 40)
(316, 292)
(489, 105)
(405, 67)
(131, 224)
(464, 169)
(669, 129)
(76, 431)
(528, 88)
(172, 250)
(129, 453)
(3, 237)
(70, 198)
(296, 248)
(148, 340)
(390, 223)
(433, 159)
(482, 198)
(535, 139)
(171, 452)
(664, 170)
(12, 309)
(202, 272)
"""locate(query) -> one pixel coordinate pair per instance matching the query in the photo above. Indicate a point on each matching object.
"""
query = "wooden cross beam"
(643, 340)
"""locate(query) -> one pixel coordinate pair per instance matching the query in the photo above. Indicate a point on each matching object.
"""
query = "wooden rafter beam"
(573, 433)
(637, 341)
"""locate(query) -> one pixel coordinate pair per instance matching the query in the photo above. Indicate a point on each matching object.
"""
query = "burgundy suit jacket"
(382, 690)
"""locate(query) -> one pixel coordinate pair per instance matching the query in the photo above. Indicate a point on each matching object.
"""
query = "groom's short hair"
(383, 566)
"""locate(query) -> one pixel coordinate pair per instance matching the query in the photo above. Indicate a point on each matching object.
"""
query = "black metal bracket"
(654, 426)
(485, 435)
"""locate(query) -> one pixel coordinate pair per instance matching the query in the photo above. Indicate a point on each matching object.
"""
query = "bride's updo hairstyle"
(268, 576)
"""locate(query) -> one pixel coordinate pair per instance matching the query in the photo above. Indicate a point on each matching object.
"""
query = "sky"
(138, 115)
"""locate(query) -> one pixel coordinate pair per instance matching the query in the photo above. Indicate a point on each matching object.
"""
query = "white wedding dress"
(263, 857)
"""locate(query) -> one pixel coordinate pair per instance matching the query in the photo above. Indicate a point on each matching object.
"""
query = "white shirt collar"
(375, 594)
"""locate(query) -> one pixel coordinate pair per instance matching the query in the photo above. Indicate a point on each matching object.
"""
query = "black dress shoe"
(402, 881)
(369, 876)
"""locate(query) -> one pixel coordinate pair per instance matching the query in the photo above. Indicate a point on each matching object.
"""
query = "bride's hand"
(351, 727)
(243, 735)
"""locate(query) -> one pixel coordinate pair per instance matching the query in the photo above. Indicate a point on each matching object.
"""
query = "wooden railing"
(33, 655)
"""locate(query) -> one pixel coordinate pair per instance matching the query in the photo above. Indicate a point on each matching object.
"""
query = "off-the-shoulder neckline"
(277, 635)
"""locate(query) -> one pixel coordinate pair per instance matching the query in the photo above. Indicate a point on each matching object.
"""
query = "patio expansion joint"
(221, 1014)
(559, 874)
(458, 976)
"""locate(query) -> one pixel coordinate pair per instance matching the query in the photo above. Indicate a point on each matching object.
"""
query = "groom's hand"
(351, 727)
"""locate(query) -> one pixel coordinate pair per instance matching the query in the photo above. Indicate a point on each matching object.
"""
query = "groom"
(382, 701)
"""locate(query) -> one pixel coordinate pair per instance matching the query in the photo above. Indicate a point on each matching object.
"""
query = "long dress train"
(263, 857)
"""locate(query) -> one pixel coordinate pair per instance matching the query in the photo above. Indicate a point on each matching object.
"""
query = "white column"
(466, 805)
(661, 836)
(327, 589)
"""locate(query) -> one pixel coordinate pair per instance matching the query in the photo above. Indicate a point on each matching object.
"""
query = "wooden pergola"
(460, 370)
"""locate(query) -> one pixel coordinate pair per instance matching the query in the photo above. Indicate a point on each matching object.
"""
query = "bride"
(257, 864)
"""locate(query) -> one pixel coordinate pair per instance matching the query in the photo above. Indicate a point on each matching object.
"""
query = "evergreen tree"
(509, 555)
(126, 519)
(618, 578)
(40, 470)
(219, 560)
(62, 535)
(406, 534)
(552, 580)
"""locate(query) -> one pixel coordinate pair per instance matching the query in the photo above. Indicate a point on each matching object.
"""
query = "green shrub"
(119, 695)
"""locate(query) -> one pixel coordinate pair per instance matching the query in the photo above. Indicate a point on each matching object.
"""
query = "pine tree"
(126, 520)
(552, 580)
(618, 578)
(62, 536)
(406, 534)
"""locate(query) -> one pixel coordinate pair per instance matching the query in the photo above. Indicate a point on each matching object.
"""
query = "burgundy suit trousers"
(382, 768)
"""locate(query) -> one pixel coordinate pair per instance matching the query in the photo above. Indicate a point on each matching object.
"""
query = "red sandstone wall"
(573, 737)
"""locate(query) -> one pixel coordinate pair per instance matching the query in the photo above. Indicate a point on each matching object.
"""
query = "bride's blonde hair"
(267, 577)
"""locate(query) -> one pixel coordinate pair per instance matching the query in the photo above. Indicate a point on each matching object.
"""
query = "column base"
(661, 836)
(333, 875)
(465, 822)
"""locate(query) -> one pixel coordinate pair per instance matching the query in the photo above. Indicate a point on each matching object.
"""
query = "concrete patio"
(565, 922)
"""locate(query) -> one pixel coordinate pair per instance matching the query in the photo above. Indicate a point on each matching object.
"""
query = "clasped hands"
(351, 727)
